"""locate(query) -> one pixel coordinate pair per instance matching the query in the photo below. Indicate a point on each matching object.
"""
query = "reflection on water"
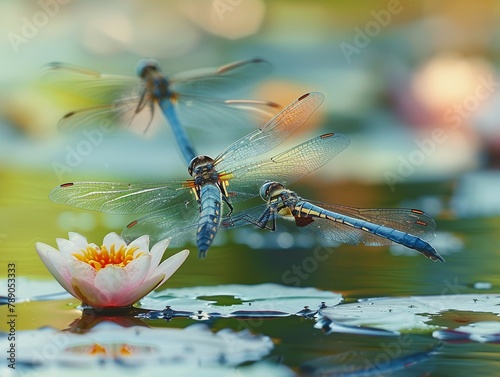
(109, 344)
(358, 363)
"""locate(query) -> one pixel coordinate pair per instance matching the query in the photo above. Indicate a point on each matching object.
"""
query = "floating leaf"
(482, 332)
(263, 300)
(408, 313)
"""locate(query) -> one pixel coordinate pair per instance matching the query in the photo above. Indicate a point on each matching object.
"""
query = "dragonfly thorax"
(155, 83)
(280, 199)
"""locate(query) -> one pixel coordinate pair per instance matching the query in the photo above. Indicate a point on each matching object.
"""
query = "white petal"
(112, 281)
(66, 247)
(81, 270)
(113, 238)
(169, 266)
(79, 240)
(141, 242)
(142, 290)
(43, 248)
(137, 271)
(157, 253)
(89, 293)
(56, 265)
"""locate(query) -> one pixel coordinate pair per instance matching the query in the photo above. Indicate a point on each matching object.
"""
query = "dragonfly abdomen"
(394, 235)
(210, 217)
(306, 209)
(403, 238)
(180, 135)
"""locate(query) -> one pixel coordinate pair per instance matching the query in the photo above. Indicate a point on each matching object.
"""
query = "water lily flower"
(112, 275)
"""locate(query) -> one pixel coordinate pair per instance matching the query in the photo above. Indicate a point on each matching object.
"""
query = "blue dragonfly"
(195, 206)
(189, 98)
(373, 227)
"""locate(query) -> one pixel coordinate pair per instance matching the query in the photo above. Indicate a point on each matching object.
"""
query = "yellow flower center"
(100, 257)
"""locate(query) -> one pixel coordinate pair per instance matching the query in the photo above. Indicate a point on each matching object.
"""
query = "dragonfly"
(373, 227)
(189, 98)
(195, 206)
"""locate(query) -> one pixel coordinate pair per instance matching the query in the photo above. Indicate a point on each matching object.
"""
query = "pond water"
(261, 283)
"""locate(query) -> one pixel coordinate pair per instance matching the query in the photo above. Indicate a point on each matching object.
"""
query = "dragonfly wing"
(212, 81)
(121, 198)
(116, 97)
(245, 217)
(102, 88)
(178, 222)
(272, 133)
(288, 166)
(327, 229)
(412, 221)
(105, 117)
(216, 114)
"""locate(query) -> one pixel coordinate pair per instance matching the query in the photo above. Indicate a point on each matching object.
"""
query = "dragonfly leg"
(231, 208)
(273, 225)
(251, 220)
(264, 220)
(152, 109)
(142, 102)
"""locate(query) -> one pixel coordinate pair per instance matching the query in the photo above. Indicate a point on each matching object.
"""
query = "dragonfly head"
(199, 165)
(146, 66)
(270, 189)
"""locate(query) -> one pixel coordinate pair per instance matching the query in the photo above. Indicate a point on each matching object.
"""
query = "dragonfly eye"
(270, 189)
(145, 66)
(200, 161)
(265, 190)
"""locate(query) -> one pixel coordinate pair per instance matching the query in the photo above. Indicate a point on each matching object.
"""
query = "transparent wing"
(103, 88)
(216, 114)
(286, 167)
(123, 112)
(178, 222)
(121, 198)
(246, 217)
(272, 133)
(215, 81)
(117, 98)
(88, 118)
(412, 221)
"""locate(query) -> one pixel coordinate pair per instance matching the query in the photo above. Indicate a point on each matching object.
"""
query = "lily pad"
(408, 313)
(482, 332)
(262, 300)
(252, 300)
